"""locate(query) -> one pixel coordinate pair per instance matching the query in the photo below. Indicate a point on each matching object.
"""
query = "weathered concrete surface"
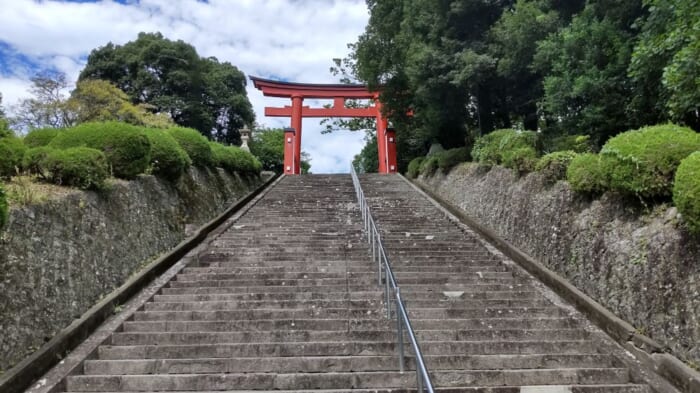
(59, 258)
(641, 265)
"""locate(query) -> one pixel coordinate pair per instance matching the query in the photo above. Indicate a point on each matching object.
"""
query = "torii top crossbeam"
(386, 141)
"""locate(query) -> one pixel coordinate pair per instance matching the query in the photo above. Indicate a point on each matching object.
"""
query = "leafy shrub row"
(686, 191)
(510, 148)
(3, 207)
(445, 160)
(232, 158)
(11, 152)
(126, 150)
(126, 147)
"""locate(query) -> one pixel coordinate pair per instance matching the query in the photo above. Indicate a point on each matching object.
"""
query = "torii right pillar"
(386, 142)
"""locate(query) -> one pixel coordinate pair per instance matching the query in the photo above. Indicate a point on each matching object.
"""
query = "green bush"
(4, 209)
(686, 191)
(449, 158)
(11, 152)
(554, 165)
(126, 147)
(429, 166)
(81, 167)
(643, 162)
(40, 137)
(34, 160)
(234, 159)
(521, 159)
(575, 143)
(195, 144)
(585, 175)
(414, 167)
(491, 148)
(168, 159)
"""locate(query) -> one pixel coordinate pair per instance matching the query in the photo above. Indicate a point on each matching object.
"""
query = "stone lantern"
(245, 137)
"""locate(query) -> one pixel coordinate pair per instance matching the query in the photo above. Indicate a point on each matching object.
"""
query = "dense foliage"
(643, 162)
(686, 191)
(554, 165)
(267, 144)
(593, 68)
(34, 161)
(40, 136)
(585, 175)
(170, 77)
(414, 167)
(507, 147)
(196, 145)
(4, 210)
(82, 167)
(450, 158)
(367, 161)
(126, 147)
(11, 153)
(168, 159)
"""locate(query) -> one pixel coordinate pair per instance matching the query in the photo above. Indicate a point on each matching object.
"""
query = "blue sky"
(293, 40)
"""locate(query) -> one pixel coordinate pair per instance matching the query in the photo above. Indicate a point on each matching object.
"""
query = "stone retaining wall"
(58, 258)
(640, 264)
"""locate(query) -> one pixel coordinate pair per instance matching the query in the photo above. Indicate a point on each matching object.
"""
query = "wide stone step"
(347, 324)
(286, 349)
(249, 336)
(248, 305)
(341, 269)
(338, 380)
(360, 313)
(226, 315)
(457, 287)
(431, 297)
(367, 279)
(341, 363)
(190, 305)
(608, 388)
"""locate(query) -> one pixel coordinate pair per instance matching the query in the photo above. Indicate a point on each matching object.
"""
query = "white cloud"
(290, 39)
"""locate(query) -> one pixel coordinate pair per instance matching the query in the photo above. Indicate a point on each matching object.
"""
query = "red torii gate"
(386, 137)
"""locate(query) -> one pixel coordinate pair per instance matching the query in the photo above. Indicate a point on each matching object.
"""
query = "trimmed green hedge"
(414, 167)
(195, 144)
(452, 157)
(686, 191)
(80, 167)
(40, 137)
(575, 143)
(126, 147)
(234, 159)
(585, 174)
(11, 152)
(500, 146)
(429, 165)
(521, 159)
(168, 159)
(643, 162)
(554, 165)
(34, 161)
(4, 208)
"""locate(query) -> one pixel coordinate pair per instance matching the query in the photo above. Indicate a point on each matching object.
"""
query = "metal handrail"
(386, 275)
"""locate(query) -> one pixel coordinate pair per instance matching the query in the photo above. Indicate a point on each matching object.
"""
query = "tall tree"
(98, 100)
(665, 64)
(47, 107)
(586, 88)
(170, 76)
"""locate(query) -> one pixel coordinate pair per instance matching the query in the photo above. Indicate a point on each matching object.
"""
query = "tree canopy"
(466, 67)
(171, 78)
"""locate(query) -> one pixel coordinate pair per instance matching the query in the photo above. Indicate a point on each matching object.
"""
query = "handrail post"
(386, 290)
(399, 331)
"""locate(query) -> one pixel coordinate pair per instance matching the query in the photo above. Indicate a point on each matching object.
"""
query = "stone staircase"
(482, 327)
(286, 299)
